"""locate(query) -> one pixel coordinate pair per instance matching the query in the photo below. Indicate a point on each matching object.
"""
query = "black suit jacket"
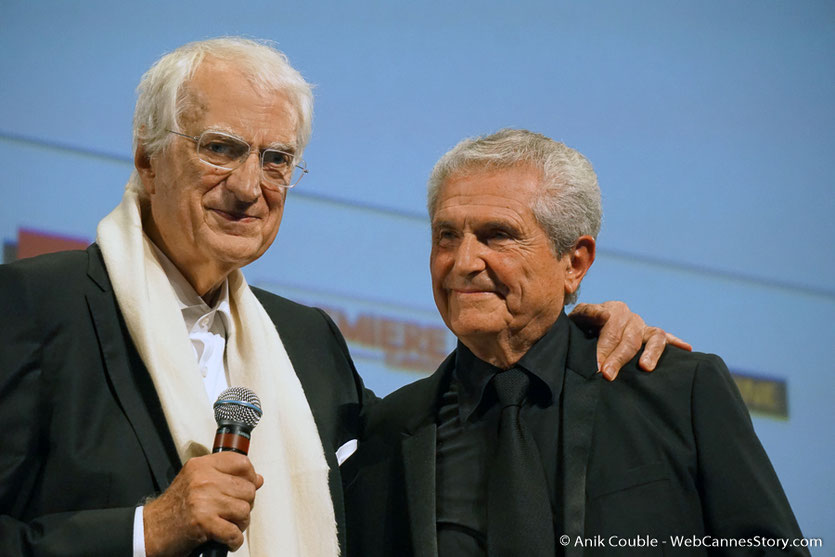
(83, 438)
(662, 454)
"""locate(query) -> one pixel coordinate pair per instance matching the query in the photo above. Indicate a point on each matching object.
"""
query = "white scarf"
(293, 513)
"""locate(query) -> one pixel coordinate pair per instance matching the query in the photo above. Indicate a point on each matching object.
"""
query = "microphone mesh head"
(238, 405)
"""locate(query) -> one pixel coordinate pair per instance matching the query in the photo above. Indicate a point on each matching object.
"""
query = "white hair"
(568, 203)
(163, 96)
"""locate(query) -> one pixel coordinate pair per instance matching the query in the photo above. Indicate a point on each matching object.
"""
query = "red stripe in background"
(35, 242)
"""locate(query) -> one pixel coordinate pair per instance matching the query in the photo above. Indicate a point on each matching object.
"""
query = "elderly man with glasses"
(111, 356)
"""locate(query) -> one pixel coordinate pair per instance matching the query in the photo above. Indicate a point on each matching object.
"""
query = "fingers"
(210, 499)
(620, 337)
(232, 463)
(616, 353)
(231, 521)
(222, 518)
(675, 341)
(655, 342)
(610, 337)
(590, 316)
(226, 524)
(622, 333)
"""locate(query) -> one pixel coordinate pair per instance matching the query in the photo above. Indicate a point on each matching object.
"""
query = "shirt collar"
(544, 362)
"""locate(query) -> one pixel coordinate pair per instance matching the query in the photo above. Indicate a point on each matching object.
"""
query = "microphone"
(237, 411)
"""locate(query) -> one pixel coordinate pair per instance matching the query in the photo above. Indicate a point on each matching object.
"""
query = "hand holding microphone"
(237, 411)
(211, 498)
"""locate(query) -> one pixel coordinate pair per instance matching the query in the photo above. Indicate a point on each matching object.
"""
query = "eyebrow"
(480, 226)
(289, 148)
(501, 224)
(223, 129)
(440, 224)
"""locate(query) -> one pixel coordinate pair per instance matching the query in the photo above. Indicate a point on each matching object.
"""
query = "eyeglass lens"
(228, 152)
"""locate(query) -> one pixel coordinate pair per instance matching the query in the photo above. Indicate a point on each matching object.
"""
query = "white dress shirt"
(207, 328)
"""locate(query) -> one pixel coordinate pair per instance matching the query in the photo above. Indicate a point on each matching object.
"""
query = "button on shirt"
(468, 421)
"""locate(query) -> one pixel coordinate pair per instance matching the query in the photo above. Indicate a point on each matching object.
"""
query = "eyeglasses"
(279, 170)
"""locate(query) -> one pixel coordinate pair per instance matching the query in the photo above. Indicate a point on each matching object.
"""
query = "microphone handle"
(211, 549)
(234, 437)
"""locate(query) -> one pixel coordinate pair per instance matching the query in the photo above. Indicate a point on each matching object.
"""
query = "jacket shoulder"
(317, 350)
(52, 267)
(279, 304)
(54, 282)
(299, 323)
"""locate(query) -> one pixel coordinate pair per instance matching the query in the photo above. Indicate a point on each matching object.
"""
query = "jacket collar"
(424, 397)
(132, 386)
(419, 439)
(96, 269)
(580, 393)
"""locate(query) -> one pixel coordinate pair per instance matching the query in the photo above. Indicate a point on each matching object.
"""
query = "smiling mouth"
(469, 293)
(471, 290)
(234, 217)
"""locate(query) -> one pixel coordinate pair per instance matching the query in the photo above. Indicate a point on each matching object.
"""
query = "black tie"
(519, 517)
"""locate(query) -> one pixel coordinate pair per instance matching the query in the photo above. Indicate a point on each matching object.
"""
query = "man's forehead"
(197, 90)
(220, 96)
(489, 186)
(484, 203)
(487, 169)
(195, 105)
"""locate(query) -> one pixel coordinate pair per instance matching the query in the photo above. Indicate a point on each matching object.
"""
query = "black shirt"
(468, 421)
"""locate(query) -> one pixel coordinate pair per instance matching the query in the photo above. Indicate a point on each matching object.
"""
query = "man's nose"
(245, 180)
(469, 257)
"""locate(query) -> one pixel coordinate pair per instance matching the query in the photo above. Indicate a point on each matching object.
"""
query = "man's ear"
(145, 169)
(578, 261)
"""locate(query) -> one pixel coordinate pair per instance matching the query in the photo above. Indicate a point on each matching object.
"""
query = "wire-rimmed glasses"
(279, 169)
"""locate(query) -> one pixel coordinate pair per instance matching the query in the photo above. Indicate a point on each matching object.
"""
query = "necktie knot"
(511, 386)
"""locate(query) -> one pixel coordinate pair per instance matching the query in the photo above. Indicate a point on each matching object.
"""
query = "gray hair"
(163, 96)
(568, 204)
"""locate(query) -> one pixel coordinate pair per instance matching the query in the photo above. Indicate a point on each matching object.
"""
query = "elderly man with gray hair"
(516, 446)
(111, 357)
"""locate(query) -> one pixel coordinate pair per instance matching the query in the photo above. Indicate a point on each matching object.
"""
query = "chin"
(471, 326)
(237, 250)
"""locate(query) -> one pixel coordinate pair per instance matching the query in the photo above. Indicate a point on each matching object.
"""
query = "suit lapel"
(418, 446)
(127, 389)
(580, 394)
(419, 472)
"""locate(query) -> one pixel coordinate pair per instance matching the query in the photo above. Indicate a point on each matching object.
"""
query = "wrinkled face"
(205, 217)
(493, 270)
